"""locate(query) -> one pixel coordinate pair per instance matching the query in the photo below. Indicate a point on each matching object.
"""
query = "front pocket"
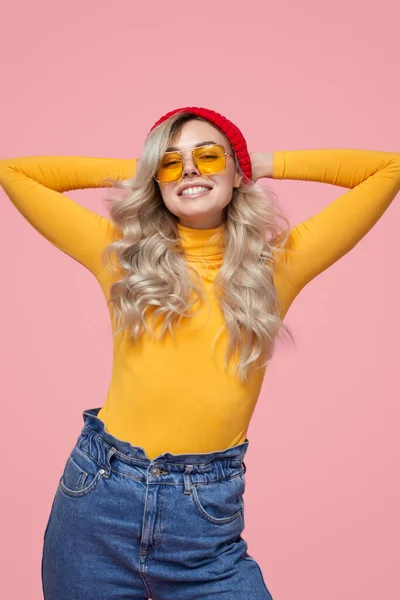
(219, 502)
(81, 474)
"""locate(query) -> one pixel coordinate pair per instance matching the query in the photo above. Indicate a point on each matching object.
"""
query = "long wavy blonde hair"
(155, 278)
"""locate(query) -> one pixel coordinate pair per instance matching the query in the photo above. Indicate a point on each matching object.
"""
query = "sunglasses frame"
(192, 153)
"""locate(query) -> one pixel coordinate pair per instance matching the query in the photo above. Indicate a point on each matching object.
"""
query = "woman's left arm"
(373, 177)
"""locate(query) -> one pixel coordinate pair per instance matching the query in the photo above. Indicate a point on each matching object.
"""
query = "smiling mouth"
(201, 192)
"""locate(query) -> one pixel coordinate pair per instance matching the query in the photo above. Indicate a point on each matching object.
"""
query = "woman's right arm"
(34, 184)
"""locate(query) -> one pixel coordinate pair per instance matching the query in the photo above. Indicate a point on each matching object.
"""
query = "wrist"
(268, 164)
(262, 164)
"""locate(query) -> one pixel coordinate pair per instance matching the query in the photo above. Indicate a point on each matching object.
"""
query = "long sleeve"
(35, 184)
(374, 180)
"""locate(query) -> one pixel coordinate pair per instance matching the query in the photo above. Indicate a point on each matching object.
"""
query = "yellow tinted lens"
(209, 159)
(170, 167)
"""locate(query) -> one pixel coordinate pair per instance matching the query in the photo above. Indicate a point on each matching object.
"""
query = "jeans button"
(155, 472)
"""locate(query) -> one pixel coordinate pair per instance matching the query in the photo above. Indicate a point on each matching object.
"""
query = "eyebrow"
(176, 149)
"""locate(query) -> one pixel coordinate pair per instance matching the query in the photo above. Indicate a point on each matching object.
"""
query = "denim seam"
(129, 476)
(218, 480)
(80, 493)
(215, 520)
(259, 569)
(172, 483)
(157, 540)
(89, 455)
(143, 576)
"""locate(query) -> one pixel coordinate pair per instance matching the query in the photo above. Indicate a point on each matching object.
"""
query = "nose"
(188, 168)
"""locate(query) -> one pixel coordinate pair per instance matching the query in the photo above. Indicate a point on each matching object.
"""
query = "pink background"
(90, 78)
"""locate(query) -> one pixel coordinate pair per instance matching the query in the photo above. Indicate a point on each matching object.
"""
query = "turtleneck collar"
(198, 243)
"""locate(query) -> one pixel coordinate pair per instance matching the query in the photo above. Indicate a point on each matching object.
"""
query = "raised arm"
(318, 242)
(34, 184)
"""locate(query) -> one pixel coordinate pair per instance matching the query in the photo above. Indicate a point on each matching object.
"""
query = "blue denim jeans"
(123, 526)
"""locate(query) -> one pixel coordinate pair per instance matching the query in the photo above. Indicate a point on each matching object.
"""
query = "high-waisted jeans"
(124, 527)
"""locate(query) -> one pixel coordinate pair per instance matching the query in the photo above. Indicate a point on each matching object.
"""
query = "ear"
(238, 180)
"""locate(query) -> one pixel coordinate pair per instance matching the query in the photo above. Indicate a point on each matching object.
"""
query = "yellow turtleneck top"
(171, 395)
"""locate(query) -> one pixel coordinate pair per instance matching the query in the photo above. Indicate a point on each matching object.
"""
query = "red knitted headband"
(230, 130)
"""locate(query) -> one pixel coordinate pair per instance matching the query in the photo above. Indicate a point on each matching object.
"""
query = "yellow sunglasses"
(208, 159)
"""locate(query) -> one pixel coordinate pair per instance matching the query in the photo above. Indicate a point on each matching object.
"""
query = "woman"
(198, 276)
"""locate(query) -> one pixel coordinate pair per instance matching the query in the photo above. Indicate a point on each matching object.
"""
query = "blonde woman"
(198, 275)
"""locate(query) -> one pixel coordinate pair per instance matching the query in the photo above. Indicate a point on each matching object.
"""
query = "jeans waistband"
(103, 444)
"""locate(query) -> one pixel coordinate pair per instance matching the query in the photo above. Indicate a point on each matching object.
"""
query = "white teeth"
(194, 190)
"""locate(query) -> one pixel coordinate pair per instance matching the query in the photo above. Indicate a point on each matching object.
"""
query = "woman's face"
(202, 211)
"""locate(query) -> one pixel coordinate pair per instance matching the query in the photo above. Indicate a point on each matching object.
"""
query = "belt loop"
(244, 468)
(188, 480)
(111, 451)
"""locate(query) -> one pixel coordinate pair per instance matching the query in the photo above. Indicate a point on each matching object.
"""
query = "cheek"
(226, 187)
(166, 194)
(227, 179)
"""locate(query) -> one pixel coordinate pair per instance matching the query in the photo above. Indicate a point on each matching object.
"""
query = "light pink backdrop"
(90, 78)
